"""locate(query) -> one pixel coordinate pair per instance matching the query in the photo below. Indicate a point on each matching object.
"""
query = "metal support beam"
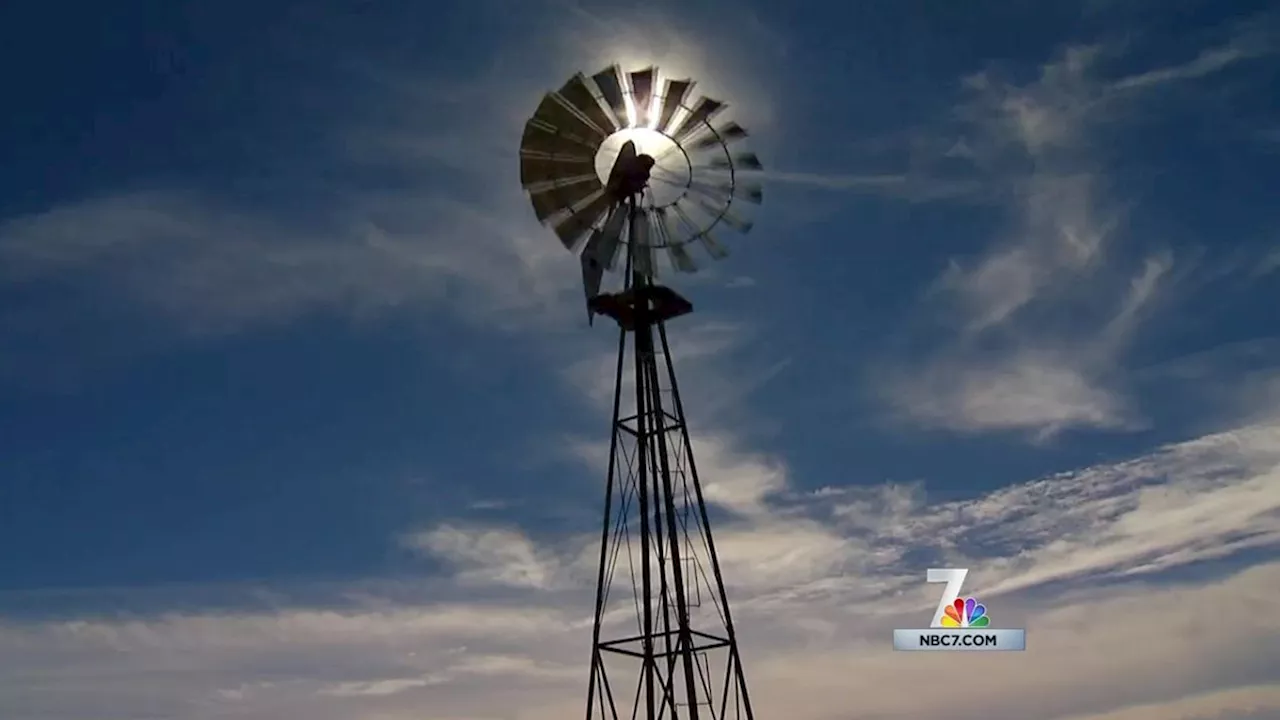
(656, 531)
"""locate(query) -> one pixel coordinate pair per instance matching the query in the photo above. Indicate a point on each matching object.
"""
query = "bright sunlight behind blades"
(671, 172)
(692, 195)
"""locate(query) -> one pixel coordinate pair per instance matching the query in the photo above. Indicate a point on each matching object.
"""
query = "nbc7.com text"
(953, 640)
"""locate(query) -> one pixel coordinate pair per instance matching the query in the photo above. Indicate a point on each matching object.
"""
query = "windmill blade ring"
(615, 140)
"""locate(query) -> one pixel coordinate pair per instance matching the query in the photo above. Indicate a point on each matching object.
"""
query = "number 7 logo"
(954, 579)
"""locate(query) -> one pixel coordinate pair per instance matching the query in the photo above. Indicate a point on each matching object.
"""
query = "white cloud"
(1191, 502)
(1039, 325)
(1046, 391)
(906, 186)
(1208, 62)
(817, 583)
(1118, 645)
(1188, 502)
(209, 267)
(738, 481)
(1268, 264)
(1260, 702)
(488, 555)
(375, 687)
(1057, 241)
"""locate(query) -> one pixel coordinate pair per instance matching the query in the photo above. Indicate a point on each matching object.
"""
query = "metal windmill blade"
(642, 82)
(609, 83)
(633, 160)
(673, 98)
(558, 159)
(722, 187)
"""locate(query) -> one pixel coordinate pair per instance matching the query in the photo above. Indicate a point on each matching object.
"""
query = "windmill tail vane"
(633, 161)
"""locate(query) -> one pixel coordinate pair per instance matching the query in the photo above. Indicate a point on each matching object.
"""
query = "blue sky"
(300, 415)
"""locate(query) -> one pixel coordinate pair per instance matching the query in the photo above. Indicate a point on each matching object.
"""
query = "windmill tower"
(636, 181)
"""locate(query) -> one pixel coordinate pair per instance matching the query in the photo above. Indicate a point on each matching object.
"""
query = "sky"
(300, 414)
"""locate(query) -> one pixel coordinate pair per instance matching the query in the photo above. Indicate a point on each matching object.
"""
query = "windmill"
(640, 182)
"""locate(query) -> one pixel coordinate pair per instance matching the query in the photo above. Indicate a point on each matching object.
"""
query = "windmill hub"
(671, 171)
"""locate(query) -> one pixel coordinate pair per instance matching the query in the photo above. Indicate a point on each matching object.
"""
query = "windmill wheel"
(696, 188)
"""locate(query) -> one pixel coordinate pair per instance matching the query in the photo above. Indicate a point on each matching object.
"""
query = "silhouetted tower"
(632, 180)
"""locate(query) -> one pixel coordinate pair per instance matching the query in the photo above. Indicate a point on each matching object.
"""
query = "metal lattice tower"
(663, 641)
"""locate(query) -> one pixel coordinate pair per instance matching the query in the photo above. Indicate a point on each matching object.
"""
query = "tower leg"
(663, 642)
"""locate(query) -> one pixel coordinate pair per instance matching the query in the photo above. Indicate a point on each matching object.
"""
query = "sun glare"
(650, 117)
(646, 140)
(670, 174)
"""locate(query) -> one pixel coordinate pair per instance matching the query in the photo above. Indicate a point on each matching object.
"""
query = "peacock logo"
(960, 623)
(965, 613)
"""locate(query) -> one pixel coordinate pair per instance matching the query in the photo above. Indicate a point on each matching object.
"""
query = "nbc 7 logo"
(954, 579)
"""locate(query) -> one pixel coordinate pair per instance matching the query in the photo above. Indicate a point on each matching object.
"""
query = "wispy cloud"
(368, 688)
(489, 556)
(818, 580)
(1200, 500)
(210, 267)
(1252, 41)
(909, 187)
(1037, 327)
(1257, 702)
(195, 263)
